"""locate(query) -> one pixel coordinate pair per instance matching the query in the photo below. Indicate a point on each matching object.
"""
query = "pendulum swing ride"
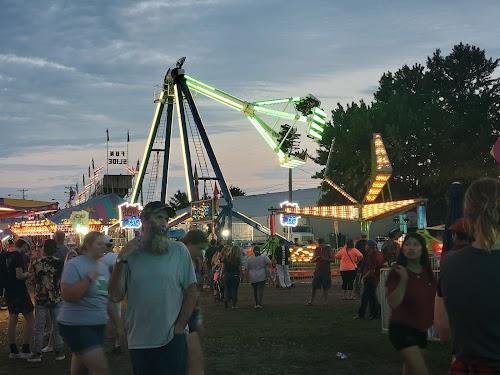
(276, 121)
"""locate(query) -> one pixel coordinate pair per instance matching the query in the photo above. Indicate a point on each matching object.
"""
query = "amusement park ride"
(277, 122)
(365, 211)
(266, 116)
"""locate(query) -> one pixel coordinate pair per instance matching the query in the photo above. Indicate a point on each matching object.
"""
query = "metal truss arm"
(215, 94)
(251, 222)
(206, 142)
(149, 145)
(186, 155)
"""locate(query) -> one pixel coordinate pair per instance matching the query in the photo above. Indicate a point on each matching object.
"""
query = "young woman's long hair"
(482, 211)
(234, 254)
(424, 257)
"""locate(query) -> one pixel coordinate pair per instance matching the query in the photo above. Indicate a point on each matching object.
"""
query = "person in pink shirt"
(349, 258)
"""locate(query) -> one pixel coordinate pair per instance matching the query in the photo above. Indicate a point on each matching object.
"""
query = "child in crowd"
(272, 275)
(196, 241)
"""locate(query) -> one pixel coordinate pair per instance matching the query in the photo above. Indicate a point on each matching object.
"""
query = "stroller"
(218, 285)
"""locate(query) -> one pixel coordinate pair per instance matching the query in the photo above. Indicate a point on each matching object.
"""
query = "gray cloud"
(34, 61)
(71, 70)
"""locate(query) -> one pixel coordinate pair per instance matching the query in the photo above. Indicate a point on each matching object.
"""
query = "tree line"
(438, 122)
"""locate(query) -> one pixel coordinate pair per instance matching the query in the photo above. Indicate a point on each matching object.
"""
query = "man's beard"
(158, 244)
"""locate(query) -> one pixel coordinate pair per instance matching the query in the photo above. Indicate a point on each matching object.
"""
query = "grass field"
(285, 337)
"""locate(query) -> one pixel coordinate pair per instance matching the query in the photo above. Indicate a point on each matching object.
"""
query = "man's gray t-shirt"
(470, 288)
(155, 292)
(257, 268)
(91, 309)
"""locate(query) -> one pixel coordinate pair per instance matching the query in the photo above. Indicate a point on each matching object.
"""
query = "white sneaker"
(13, 355)
(24, 355)
(35, 358)
(48, 349)
(60, 356)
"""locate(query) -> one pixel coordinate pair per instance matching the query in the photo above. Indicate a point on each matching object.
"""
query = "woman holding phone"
(411, 288)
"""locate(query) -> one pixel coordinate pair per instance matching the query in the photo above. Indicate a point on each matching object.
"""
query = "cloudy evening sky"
(71, 69)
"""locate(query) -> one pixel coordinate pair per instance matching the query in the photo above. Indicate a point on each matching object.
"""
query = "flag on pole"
(128, 136)
(138, 166)
(93, 166)
(89, 171)
(216, 199)
(107, 135)
(196, 182)
(77, 187)
(83, 178)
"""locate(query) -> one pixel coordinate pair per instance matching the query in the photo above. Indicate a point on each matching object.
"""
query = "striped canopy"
(103, 208)
(12, 207)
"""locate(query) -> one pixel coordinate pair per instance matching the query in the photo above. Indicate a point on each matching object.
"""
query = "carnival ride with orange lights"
(367, 210)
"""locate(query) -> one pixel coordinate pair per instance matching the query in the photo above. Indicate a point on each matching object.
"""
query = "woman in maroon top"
(411, 288)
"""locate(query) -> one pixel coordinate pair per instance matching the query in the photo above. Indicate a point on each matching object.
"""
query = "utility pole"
(23, 191)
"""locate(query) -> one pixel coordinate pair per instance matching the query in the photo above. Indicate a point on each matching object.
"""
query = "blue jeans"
(170, 359)
(43, 315)
(369, 298)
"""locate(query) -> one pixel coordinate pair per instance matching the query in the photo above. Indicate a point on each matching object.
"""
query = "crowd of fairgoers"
(78, 292)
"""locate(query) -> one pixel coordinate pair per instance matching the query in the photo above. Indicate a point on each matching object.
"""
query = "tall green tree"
(236, 191)
(179, 200)
(438, 123)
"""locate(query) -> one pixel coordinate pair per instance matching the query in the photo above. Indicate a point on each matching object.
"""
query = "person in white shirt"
(257, 270)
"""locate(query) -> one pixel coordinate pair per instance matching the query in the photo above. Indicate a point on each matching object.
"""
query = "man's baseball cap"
(108, 240)
(152, 207)
(371, 243)
(458, 226)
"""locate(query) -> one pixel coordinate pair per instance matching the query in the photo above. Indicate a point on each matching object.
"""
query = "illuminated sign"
(130, 215)
(117, 157)
(289, 220)
(202, 211)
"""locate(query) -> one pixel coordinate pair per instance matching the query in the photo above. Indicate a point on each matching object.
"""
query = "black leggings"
(258, 292)
(348, 279)
(231, 284)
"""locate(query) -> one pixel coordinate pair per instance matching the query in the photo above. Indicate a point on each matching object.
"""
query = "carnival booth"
(102, 216)
(12, 207)
(27, 209)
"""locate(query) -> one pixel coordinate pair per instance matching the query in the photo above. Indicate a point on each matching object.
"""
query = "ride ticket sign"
(130, 215)
(202, 211)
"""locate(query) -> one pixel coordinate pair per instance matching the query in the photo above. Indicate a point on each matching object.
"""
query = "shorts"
(403, 336)
(348, 279)
(195, 320)
(171, 358)
(322, 280)
(81, 339)
(20, 304)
